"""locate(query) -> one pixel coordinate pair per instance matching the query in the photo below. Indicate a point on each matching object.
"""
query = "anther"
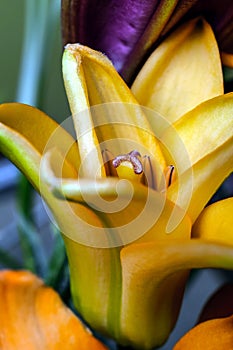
(149, 173)
(169, 175)
(132, 158)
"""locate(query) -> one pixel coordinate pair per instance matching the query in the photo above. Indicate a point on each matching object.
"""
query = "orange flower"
(209, 335)
(32, 316)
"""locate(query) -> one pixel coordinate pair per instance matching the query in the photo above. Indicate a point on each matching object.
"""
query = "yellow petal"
(200, 132)
(117, 123)
(21, 153)
(153, 280)
(34, 317)
(209, 335)
(197, 185)
(77, 93)
(100, 277)
(183, 71)
(86, 238)
(206, 133)
(25, 150)
(96, 284)
(37, 128)
(25, 133)
(216, 222)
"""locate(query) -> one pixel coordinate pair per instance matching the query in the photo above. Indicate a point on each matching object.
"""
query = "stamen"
(169, 175)
(131, 157)
(107, 159)
(146, 166)
(149, 173)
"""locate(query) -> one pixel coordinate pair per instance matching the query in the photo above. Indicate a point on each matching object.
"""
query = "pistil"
(131, 157)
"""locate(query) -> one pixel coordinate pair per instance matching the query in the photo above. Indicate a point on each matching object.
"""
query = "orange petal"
(33, 316)
(227, 59)
(209, 335)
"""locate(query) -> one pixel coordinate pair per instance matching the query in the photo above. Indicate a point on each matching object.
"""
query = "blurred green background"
(30, 71)
(44, 23)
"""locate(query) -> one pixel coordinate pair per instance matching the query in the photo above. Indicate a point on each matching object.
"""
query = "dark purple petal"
(125, 30)
(219, 13)
(219, 305)
(111, 26)
(128, 30)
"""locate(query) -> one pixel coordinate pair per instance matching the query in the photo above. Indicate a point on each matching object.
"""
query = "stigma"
(132, 158)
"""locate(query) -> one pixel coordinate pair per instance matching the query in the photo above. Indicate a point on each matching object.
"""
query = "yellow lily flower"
(127, 229)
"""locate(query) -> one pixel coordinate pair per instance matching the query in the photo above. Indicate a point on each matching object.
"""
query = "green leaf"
(57, 262)
(34, 257)
(8, 260)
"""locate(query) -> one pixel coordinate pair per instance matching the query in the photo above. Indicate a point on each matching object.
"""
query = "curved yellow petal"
(26, 133)
(30, 133)
(136, 216)
(100, 278)
(206, 133)
(201, 131)
(22, 153)
(95, 284)
(34, 317)
(115, 119)
(209, 335)
(86, 238)
(153, 281)
(77, 92)
(37, 128)
(196, 186)
(215, 223)
(183, 71)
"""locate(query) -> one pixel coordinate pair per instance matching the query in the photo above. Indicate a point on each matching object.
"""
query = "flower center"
(137, 168)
